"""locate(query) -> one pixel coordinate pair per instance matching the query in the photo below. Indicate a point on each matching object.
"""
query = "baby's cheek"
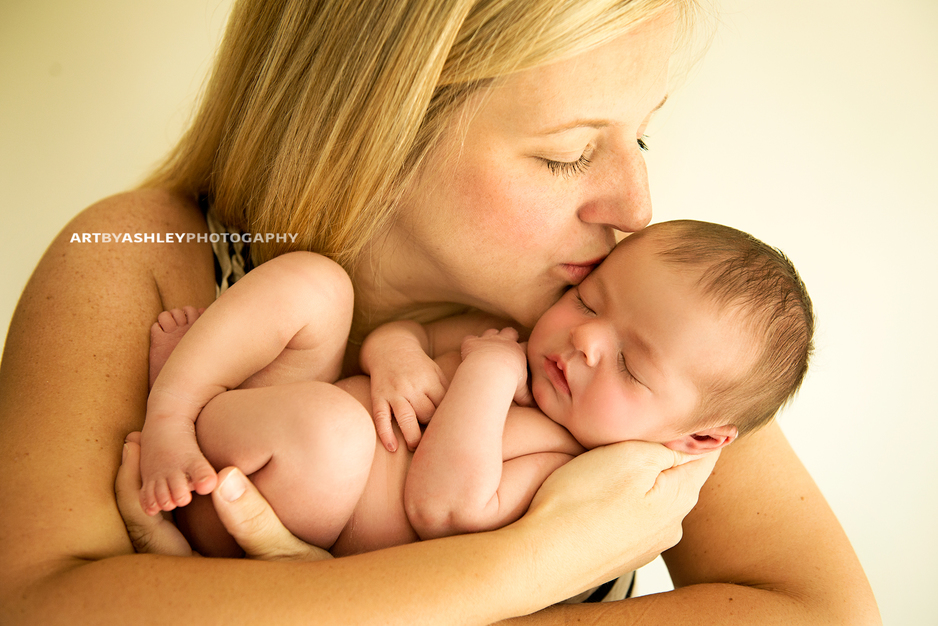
(606, 418)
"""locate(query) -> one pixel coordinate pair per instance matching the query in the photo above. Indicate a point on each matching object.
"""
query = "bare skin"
(307, 440)
(73, 383)
(84, 555)
(315, 457)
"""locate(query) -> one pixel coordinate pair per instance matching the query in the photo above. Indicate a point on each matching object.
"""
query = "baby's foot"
(169, 328)
(172, 466)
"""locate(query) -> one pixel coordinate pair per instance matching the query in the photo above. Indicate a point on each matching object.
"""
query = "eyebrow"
(590, 123)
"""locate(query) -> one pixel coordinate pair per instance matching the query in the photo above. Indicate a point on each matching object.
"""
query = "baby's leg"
(308, 447)
(289, 318)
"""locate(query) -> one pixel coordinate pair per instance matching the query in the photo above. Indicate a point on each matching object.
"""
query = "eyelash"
(573, 168)
(580, 304)
(568, 168)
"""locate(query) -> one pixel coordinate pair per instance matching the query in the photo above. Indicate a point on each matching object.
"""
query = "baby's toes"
(148, 500)
(202, 478)
(167, 320)
(179, 490)
(164, 497)
(191, 314)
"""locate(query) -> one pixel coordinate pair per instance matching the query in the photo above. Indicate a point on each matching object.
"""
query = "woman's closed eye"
(574, 168)
(568, 168)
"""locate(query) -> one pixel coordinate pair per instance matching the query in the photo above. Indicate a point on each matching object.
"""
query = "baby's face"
(622, 356)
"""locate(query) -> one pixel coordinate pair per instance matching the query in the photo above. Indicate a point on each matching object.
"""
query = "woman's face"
(524, 193)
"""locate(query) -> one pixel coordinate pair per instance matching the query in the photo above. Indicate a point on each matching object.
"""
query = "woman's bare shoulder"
(73, 378)
(150, 231)
(142, 211)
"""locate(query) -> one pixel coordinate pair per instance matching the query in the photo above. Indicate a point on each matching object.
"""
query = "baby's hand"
(410, 390)
(503, 344)
(171, 465)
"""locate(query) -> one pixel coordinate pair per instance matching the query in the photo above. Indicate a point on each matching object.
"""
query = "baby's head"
(688, 334)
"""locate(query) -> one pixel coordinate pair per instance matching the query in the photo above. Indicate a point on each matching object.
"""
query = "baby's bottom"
(307, 446)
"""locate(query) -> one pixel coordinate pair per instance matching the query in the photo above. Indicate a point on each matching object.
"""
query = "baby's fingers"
(382, 418)
(424, 408)
(436, 392)
(406, 418)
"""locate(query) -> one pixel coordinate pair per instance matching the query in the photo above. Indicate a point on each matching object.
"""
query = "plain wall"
(810, 124)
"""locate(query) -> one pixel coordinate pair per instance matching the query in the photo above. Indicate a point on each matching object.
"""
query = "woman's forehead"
(618, 83)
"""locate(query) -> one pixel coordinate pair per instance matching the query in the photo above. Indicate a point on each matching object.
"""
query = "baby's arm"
(246, 329)
(458, 480)
(405, 381)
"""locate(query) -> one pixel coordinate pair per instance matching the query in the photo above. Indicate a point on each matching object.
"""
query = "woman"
(449, 158)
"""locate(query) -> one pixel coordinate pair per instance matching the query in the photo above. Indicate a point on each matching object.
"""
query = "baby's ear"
(706, 440)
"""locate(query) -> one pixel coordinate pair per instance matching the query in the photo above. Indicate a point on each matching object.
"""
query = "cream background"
(810, 124)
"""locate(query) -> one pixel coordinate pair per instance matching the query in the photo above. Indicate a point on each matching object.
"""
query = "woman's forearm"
(436, 582)
(716, 603)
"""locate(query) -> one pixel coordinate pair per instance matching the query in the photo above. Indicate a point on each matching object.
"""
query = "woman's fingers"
(149, 534)
(249, 519)
(618, 506)
(688, 474)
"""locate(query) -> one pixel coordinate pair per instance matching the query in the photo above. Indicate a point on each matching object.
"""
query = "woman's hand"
(248, 517)
(242, 509)
(621, 505)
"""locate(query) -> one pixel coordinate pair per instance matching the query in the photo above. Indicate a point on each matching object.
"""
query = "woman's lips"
(556, 376)
(578, 271)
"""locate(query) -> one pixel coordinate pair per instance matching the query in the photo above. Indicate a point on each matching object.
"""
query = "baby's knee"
(325, 278)
(336, 426)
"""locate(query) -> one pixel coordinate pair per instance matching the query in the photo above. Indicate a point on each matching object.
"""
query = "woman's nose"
(621, 198)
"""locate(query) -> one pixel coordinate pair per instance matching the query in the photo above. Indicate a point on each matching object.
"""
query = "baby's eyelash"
(643, 143)
(622, 366)
(580, 304)
(568, 168)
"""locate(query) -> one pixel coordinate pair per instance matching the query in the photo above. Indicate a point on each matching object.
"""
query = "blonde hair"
(319, 112)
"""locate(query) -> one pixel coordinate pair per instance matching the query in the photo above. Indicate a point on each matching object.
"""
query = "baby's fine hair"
(742, 274)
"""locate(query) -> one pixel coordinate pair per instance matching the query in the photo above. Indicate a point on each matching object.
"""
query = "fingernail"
(232, 487)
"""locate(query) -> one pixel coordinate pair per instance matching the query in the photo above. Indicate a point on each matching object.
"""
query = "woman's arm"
(73, 383)
(761, 547)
